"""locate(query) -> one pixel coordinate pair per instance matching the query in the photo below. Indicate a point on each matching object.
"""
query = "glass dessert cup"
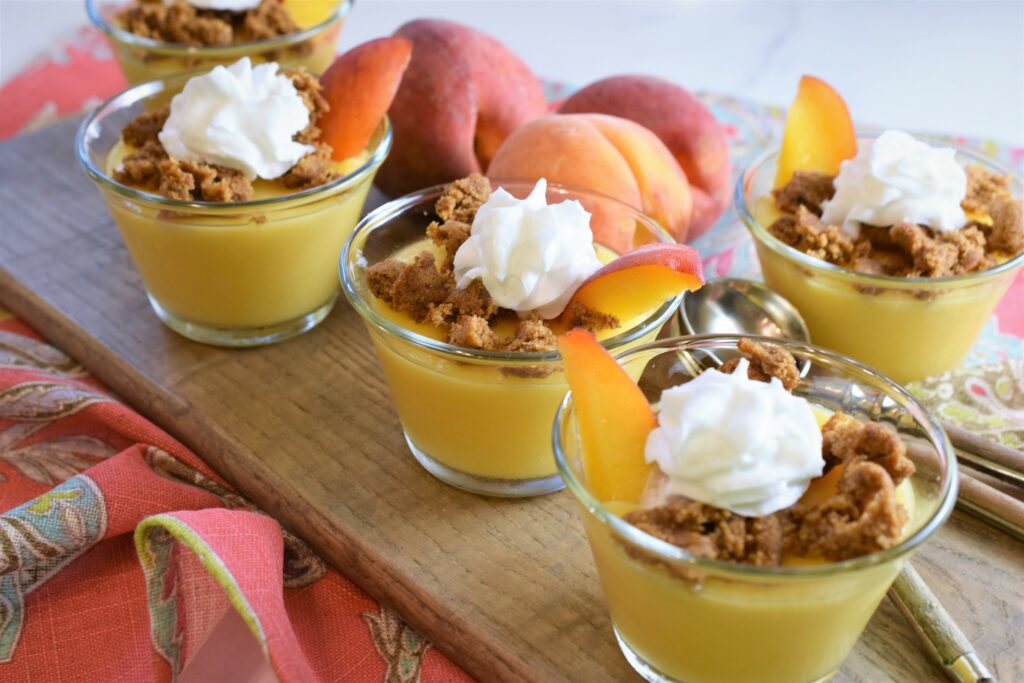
(230, 273)
(907, 328)
(479, 420)
(144, 59)
(678, 617)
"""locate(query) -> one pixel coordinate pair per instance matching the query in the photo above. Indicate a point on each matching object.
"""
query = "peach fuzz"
(614, 418)
(819, 133)
(690, 131)
(606, 154)
(462, 95)
(641, 280)
(359, 87)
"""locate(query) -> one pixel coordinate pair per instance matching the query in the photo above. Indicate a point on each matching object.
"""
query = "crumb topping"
(182, 23)
(148, 166)
(996, 229)
(425, 289)
(861, 517)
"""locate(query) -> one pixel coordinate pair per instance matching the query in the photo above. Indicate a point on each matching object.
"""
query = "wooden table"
(306, 430)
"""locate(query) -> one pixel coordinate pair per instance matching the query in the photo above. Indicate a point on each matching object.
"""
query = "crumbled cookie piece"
(808, 189)
(766, 361)
(532, 336)
(214, 183)
(146, 127)
(415, 288)
(472, 332)
(149, 168)
(848, 440)
(711, 532)
(381, 278)
(268, 20)
(861, 518)
(807, 233)
(1006, 234)
(970, 245)
(460, 199)
(312, 170)
(309, 89)
(932, 257)
(983, 186)
(449, 236)
(586, 317)
(182, 23)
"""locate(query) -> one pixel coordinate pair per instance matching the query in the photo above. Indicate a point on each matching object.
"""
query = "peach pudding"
(234, 190)
(748, 503)
(463, 289)
(895, 251)
(157, 38)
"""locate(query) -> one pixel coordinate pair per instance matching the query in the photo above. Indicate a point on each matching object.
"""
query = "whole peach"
(461, 96)
(684, 124)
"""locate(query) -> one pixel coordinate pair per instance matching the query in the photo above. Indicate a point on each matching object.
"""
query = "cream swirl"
(897, 179)
(530, 255)
(242, 117)
(735, 443)
(225, 5)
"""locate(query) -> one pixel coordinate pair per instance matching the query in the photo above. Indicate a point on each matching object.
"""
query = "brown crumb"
(416, 288)
(449, 236)
(149, 168)
(932, 257)
(848, 440)
(808, 189)
(460, 199)
(381, 278)
(145, 127)
(182, 23)
(1007, 232)
(532, 336)
(472, 332)
(766, 361)
(309, 89)
(586, 317)
(807, 233)
(312, 170)
(983, 186)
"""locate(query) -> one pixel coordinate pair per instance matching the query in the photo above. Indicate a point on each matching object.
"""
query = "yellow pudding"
(143, 59)
(907, 328)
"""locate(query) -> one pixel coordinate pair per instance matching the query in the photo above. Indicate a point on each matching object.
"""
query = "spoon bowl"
(738, 306)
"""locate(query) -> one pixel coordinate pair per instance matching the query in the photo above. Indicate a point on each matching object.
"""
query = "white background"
(937, 65)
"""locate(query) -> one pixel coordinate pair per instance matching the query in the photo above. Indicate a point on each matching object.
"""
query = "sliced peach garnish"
(819, 132)
(613, 415)
(359, 87)
(637, 282)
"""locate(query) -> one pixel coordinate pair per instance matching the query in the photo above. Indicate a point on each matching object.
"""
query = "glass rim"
(666, 551)
(762, 235)
(178, 49)
(384, 213)
(142, 91)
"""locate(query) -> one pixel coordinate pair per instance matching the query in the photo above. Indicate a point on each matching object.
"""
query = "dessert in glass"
(157, 38)
(463, 289)
(895, 251)
(234, 191)
(749, 503)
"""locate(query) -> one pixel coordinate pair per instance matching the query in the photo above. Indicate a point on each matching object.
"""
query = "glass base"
(652, 675)
(503, 488)
(246, 336)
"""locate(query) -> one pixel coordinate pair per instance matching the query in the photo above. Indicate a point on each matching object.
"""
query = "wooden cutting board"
(306, 430)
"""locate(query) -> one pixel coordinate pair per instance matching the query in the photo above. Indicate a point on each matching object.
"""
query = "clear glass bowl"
(229, 273)
(679, 617)
(144, 59)
(908, 328)
(480, 420)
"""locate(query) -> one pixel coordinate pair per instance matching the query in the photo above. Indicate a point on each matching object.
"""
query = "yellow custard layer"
(485, 419)
(241, 268)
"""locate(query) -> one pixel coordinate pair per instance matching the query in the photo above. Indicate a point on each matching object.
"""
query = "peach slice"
(359, 87)
(614, 418)
(641, 280)
(819, 132)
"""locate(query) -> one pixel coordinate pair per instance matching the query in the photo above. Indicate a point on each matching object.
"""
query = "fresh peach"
(613, 415)
(607, 154)
(359, 87)
(462, 95)
(819, 132)
(641, 280)
(688, 128)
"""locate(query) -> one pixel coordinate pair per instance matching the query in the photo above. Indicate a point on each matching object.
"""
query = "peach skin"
(359, 87)
(462, 95)
(641, 280)
(604, 153)
(690, 131)
(614, 418)
(819, 132)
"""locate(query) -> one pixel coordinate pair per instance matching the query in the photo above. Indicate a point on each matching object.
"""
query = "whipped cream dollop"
(531, 256)
(226, 5)
(735, 443)
(242, 117)
(895, 179)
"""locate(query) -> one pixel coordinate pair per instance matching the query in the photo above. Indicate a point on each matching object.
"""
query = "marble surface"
(939, 65)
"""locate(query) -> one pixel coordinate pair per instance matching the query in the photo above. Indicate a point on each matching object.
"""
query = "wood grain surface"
(306, 430)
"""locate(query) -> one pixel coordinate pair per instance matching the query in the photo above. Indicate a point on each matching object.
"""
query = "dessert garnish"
(207, 22)
(896, 207)
(514, 272)
(732, 471)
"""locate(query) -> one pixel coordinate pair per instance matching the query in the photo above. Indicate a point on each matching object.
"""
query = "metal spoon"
(736, 306)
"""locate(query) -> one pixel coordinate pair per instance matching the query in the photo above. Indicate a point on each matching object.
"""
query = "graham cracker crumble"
(861, 517)
(905, 249)
(148, 167)
(182, 23)
(425, 289)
